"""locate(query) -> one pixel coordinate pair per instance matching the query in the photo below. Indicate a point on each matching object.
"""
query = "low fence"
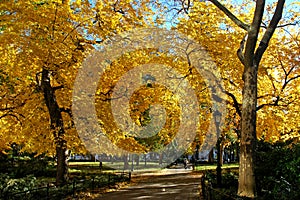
(52, 192)
(208, 192)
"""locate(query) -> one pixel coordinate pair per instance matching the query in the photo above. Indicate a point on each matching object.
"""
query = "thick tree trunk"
(57, 127)
(250, 55)
(247, 186)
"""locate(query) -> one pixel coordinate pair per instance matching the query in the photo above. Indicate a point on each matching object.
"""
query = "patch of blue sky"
(172, 16)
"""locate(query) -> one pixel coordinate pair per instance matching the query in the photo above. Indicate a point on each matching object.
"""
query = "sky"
(171, 20)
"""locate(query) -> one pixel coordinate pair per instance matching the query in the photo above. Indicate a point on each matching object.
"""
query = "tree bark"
(56, 126)
(160, 158)
(219, 161)
(125, 159)
(247, 186)
(251, 58)
(137, 160)
(211, 156)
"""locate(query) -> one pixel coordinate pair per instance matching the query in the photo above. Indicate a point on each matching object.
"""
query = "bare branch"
(272, 79)
(266, 104)
(280, 26)
(12, 107)
(12, 115)
(230, 81)
(295, 77)
(118, 10)
(275, 102)
(236, 104)
(58, 87)
(107, 95)
(263, 96)
(77, 26)
(231, 16)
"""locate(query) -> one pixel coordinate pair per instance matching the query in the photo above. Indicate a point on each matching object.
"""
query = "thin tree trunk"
(160, 158)
(211, 156)
(219, 161)
(126, 164)
(137, 160)
(57, 127)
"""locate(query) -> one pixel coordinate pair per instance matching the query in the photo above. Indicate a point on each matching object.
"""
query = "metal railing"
(50, 191)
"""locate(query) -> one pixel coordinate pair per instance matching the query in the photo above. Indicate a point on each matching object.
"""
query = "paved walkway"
(168, 184)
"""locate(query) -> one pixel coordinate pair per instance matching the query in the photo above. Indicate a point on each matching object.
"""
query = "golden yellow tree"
(44, 43)
(277, 74)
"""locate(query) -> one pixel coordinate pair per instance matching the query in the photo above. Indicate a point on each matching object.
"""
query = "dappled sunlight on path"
(164, 184)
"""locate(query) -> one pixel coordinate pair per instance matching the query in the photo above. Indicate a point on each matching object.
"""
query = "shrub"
(278, 171)
(9, 184)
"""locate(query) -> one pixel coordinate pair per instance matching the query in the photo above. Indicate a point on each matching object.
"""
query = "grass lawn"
(110, 166)
(214, 166)
(87, 167)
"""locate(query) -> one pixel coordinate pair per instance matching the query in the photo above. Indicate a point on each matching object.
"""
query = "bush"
(37, 167)
(277, 174)
(278, 171)
(229, 185)
(9, 184)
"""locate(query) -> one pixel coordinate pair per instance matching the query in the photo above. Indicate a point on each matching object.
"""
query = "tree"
(155, 137)
(214, 28)
(45, 43)
(250, 56)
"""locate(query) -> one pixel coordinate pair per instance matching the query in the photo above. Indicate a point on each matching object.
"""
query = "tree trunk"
(219, 162)
(247, 186)
(126, 164)
(250, 55)
(56, 126)
(93, 157)
(211, 156)
(137, 160)
(160, 158)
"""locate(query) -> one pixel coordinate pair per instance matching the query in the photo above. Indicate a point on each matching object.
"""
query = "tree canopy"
(44, 44)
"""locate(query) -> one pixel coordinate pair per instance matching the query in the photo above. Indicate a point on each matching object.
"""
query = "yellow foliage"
(52, 35)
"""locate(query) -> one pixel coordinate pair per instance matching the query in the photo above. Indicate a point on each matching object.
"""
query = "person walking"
(185, 162)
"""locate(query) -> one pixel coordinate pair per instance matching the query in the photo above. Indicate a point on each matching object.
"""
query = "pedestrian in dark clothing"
(100, 166)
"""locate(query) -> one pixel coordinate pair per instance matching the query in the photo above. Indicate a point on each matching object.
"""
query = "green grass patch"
(214, 166)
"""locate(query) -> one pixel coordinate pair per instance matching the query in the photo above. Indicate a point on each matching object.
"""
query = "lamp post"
(217, 118)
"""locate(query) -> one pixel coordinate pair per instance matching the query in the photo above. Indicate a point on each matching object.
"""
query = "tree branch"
(241, 49)
(13, 107)
(12, 115)
(276, 103)
(58, 87)
(236, 104)
(266, 104)
(281, 26)
(68, 111)
(231, 16)
(253, 33)
(269, 32)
